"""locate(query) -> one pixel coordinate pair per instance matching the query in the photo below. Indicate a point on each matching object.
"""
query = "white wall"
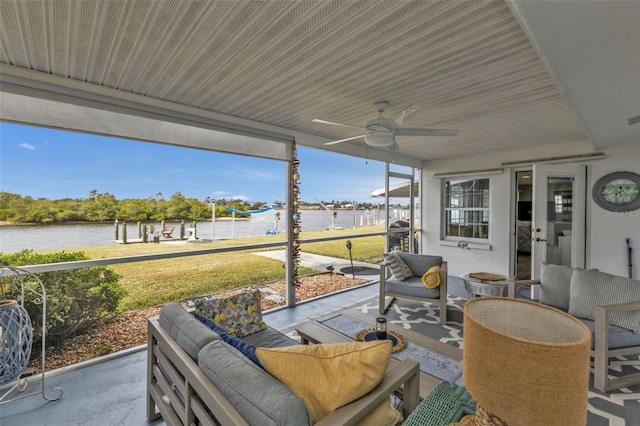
(606, 249)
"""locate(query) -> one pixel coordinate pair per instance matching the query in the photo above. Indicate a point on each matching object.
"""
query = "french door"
(558, 222)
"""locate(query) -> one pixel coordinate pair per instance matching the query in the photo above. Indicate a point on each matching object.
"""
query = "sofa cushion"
(261, 399)
(328, 376)
(239, 315)
(247, 349)
(555, 284)
(411, 287)
(431, 278)
(419, 263)
(593, 288)
(269, 338)
(187, 331)
(618, 337)
(396, 265)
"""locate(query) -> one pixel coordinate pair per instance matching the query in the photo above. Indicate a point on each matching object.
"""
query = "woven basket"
(526, 363)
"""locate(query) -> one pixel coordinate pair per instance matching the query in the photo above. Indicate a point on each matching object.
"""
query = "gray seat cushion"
(185, 329)
(411, 287)
(618, 336)
(260, 398)
(269, 338)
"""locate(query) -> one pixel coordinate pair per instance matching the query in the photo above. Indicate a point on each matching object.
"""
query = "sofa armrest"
(619, 307)
(171, 369)
(382, 282)
(602, 320)
(444, 273)
(383, 271)
(601, 354)
(514, 285)
(406, 374)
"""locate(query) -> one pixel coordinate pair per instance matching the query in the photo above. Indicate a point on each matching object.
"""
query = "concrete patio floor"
(111, 391)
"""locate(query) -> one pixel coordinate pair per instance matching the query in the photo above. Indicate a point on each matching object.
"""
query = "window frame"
(485, 212)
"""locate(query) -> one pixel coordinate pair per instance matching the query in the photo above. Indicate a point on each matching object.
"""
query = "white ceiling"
(469, 65)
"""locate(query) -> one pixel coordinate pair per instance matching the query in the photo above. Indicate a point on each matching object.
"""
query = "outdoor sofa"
(194, 377)
(607, 304)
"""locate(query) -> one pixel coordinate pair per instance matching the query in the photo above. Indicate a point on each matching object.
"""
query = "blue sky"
(58, 164)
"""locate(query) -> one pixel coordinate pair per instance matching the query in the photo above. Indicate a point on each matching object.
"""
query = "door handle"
(540, 239)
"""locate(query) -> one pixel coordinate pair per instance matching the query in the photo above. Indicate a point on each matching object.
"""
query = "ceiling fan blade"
(413, 131)
(344, 140)
(402, 115)
(393, 146)
(333, 123)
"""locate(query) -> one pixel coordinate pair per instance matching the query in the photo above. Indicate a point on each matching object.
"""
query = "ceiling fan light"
(379, 139)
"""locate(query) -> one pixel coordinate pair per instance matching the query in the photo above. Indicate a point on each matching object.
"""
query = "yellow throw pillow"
(431, 278)
(383, 415)
(328, 376)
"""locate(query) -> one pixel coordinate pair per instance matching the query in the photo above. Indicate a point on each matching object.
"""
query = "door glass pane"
(402, 209)
(559, 220)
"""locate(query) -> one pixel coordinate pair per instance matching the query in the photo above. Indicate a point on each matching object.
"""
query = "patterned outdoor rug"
(619, 408)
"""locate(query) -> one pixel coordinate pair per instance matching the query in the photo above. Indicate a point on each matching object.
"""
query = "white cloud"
(27, 146)
(240, 197)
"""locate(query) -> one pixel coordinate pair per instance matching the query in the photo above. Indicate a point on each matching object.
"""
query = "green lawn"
(161, 281)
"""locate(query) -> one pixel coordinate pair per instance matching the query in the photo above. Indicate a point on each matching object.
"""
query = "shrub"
(77, 299)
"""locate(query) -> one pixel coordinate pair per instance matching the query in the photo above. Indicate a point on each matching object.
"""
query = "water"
(51, 237)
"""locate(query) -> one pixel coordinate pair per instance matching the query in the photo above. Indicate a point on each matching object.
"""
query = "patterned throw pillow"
(431, 278)
(247, 349)
(398, 268)
(239, 315)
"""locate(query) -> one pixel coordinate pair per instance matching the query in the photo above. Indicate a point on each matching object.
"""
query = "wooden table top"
(316, 332)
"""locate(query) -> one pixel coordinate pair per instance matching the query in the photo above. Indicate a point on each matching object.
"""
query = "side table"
(477, 287)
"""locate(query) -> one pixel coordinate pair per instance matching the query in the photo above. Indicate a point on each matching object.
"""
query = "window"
(558, 202)
(466, 208)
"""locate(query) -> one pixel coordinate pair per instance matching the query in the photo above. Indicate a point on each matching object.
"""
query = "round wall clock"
(618, 192)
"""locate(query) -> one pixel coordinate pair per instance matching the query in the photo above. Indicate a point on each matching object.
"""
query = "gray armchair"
(413, 288)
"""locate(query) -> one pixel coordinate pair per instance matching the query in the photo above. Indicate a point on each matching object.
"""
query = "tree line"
(105, 207)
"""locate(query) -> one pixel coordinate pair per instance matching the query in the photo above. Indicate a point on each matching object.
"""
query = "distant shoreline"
(111, 222)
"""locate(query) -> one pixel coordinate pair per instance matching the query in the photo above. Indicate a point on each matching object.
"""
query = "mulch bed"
(130, 329)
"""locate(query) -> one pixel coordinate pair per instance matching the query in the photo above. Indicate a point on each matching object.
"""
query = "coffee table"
(476, 287)
(438, 361)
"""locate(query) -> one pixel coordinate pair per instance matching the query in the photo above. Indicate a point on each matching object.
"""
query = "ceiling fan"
(382, 131)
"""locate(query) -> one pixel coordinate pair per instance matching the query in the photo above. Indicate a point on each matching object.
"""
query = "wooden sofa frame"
(601, 352)
(171, 368)
(386, 297)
